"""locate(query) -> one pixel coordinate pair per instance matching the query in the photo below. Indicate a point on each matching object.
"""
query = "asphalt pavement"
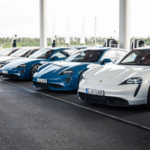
(36, 119)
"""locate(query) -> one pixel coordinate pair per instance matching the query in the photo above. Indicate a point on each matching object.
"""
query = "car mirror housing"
(55, 57)
(106, 60)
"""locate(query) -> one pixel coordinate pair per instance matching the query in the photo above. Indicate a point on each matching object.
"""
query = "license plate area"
(42, 80)
(4, 72)
(95, 92)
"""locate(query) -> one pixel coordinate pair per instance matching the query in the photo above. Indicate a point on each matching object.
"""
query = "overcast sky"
(21, 17)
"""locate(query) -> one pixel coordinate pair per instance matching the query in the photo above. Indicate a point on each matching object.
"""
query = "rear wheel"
(34, 69)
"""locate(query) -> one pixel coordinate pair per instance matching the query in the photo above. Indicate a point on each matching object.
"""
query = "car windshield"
(86, 56)
(6, 51)
(20, 53)
(42, 54)
(137, 57)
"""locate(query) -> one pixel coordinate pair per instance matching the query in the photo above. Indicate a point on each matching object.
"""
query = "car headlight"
(66, 72)
(133, 81)
(22, 66)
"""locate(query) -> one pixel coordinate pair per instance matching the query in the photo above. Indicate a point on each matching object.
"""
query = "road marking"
(130, 123)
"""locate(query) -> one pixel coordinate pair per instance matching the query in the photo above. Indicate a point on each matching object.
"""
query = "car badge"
(100, 80)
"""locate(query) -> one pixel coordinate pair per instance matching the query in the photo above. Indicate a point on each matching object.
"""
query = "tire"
(148, 99)
(33, 71)
(80, 78)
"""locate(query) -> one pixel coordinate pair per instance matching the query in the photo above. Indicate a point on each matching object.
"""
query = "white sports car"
(124, 84)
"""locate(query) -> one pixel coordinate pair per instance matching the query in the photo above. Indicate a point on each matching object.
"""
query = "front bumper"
(121, 95)
(19, 73)
(63, 83)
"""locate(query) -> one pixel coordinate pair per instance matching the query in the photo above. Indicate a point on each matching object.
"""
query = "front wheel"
(34, 69)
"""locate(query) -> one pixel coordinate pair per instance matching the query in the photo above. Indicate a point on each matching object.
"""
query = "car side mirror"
(106, 60)
(55, 57)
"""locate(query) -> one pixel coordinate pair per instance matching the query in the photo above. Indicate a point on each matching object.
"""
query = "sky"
(21, 17)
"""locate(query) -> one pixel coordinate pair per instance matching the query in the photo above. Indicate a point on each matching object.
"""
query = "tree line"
(6, 42)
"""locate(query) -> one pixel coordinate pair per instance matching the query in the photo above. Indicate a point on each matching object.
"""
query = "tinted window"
(60, 54)
(64, 53)
(13, 51)
(86, 56)
(137, 57)
(6, 51)
(21, 53)
(32, 52)
(42, 54)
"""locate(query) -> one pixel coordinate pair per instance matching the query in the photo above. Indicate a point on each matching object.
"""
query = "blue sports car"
(66, 75)
(25, 68)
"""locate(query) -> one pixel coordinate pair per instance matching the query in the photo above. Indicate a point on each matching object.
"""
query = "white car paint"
(109, 78)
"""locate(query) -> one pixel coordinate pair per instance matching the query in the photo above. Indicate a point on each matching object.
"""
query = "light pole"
(124, 24)
(43, 24)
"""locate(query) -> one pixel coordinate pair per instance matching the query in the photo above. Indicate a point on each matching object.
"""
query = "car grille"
(10, 76)
(46, 85)
(68, 80)
(114, 101)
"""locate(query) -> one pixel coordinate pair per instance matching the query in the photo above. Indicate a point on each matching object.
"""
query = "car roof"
(142, 48)
(104, 48)
(55, 48)
(30, 48)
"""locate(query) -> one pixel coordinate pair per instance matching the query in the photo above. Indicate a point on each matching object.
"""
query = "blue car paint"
(12, 69)
(51, 73)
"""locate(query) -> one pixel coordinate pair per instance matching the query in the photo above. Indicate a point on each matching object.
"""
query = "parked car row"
(110, 76)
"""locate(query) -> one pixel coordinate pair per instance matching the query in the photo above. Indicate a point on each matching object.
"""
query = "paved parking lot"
(42, 119)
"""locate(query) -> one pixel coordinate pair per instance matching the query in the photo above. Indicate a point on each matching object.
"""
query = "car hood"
(7, 58)
(15, 63)
(116, 74)
(57, 67)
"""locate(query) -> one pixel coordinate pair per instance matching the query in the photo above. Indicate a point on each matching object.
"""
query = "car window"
(42, 54)
(86, 56)
(137, 57)
(64, 53)
(60, 54)
(13, 51)
(32, 52)
(6, 51)
(111, 54)
(21, 53)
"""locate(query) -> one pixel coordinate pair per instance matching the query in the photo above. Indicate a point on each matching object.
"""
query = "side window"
(23, 55)
(121, 53)
(13, 51)
(111, 54)
(60, 54)
(32, 52)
